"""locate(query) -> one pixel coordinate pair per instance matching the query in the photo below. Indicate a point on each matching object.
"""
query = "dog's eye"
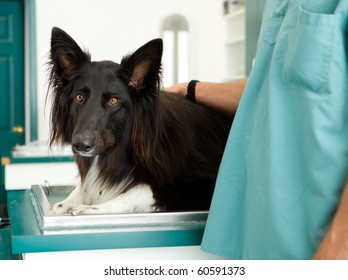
(113, 101)
(79, 98)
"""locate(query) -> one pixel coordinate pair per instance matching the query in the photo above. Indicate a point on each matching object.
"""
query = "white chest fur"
(93, 197)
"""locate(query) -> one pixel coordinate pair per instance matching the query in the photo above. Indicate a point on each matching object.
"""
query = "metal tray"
(44, 196)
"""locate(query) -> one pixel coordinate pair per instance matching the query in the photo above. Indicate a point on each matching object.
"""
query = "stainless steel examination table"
(34, 228)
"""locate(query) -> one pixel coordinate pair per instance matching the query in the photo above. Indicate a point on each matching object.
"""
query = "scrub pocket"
(309, 49)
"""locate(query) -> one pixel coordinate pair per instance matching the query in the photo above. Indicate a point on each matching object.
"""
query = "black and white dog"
(138, 149)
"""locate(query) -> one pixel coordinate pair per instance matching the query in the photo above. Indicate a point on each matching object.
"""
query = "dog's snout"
(83, 146)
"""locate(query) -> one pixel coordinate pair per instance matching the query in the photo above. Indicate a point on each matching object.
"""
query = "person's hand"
(180, 89)
(335, 243)
(333, 247)
(220, 96)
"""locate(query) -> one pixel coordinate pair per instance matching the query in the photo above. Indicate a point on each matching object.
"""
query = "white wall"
(111, 28)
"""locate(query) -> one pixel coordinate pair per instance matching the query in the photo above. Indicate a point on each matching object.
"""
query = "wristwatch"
(191, 90)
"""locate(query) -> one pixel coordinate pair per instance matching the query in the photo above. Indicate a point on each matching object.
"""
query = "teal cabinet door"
(11, 75)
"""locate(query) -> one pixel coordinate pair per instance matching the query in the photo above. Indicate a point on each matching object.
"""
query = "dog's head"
(94, 103)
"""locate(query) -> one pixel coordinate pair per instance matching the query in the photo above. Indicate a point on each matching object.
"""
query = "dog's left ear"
(143, 67)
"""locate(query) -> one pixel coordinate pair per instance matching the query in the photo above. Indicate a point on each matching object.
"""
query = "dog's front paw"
(63, 207)
(84, 210)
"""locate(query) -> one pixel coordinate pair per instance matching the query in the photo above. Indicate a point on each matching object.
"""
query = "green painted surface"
(15, 160)
(5, 245)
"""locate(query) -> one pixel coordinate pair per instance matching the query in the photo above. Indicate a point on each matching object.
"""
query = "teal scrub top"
(286, 160)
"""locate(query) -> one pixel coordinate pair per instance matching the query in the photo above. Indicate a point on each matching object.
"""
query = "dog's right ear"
(65, 55)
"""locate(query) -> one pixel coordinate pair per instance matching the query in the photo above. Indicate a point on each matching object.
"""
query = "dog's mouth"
(86, 154)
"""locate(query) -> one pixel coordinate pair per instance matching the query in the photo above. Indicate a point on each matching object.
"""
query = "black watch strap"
(191, 90)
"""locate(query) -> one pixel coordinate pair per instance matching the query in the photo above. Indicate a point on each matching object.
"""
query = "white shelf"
(235, 13)
(234, 38)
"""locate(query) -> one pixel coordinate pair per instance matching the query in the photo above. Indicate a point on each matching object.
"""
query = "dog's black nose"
(85, 146)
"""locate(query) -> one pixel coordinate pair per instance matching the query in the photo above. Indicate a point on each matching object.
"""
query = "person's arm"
(221, 96)
(335, 243)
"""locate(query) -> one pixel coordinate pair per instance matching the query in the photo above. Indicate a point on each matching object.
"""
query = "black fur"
(139, 133)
